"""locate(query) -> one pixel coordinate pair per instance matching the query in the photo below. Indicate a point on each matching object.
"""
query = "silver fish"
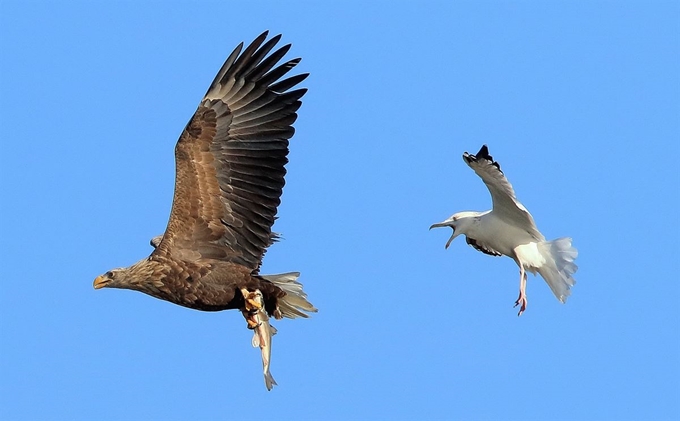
(262, 338)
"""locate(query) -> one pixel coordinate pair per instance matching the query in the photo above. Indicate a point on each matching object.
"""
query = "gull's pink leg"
(522, 299)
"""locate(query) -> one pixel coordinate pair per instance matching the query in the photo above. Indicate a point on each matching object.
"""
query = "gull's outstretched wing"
(230, 159)
(505, 203)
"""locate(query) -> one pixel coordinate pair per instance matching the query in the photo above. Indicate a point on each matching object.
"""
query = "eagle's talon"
(252, 322)
(252, 300)
(254, 304)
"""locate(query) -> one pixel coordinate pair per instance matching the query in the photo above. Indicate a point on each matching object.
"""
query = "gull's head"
(458, 223)
(451, 222)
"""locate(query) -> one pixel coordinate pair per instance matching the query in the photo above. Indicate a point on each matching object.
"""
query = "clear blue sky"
(578, 101)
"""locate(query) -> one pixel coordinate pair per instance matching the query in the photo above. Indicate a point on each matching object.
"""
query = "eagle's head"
(134, 277)
(111, 279)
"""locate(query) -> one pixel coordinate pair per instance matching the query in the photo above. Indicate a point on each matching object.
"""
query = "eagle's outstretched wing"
(230, 159)
(505, 203)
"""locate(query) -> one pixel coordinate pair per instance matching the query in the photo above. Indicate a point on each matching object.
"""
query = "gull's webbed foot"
(521, 300)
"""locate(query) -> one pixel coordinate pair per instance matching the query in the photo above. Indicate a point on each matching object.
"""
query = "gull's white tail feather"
(295, 303)
(559, 266)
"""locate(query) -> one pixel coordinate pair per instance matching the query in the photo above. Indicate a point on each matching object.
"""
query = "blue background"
(579, 102)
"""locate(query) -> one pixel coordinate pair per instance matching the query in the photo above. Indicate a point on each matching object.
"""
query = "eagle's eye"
(109, 274)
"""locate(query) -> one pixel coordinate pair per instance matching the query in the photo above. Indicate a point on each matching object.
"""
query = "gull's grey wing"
(482, 247)
(505, 203)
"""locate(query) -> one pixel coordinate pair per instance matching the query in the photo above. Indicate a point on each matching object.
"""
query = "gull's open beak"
(453, 235)
(100, 282)
(446, 223)
(439, 225)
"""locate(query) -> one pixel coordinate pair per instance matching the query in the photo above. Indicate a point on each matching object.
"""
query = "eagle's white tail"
(559, 266)
(295, 303)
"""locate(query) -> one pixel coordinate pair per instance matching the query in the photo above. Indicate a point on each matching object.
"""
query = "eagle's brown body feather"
(208, 286)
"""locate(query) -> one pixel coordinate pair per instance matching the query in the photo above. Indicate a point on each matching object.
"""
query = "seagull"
(508, 229)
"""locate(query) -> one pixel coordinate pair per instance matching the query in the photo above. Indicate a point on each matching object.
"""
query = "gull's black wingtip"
(482, 154)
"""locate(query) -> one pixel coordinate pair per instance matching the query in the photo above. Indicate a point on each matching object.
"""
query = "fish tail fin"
(294, 303)
(269, 381)
(559, 266)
